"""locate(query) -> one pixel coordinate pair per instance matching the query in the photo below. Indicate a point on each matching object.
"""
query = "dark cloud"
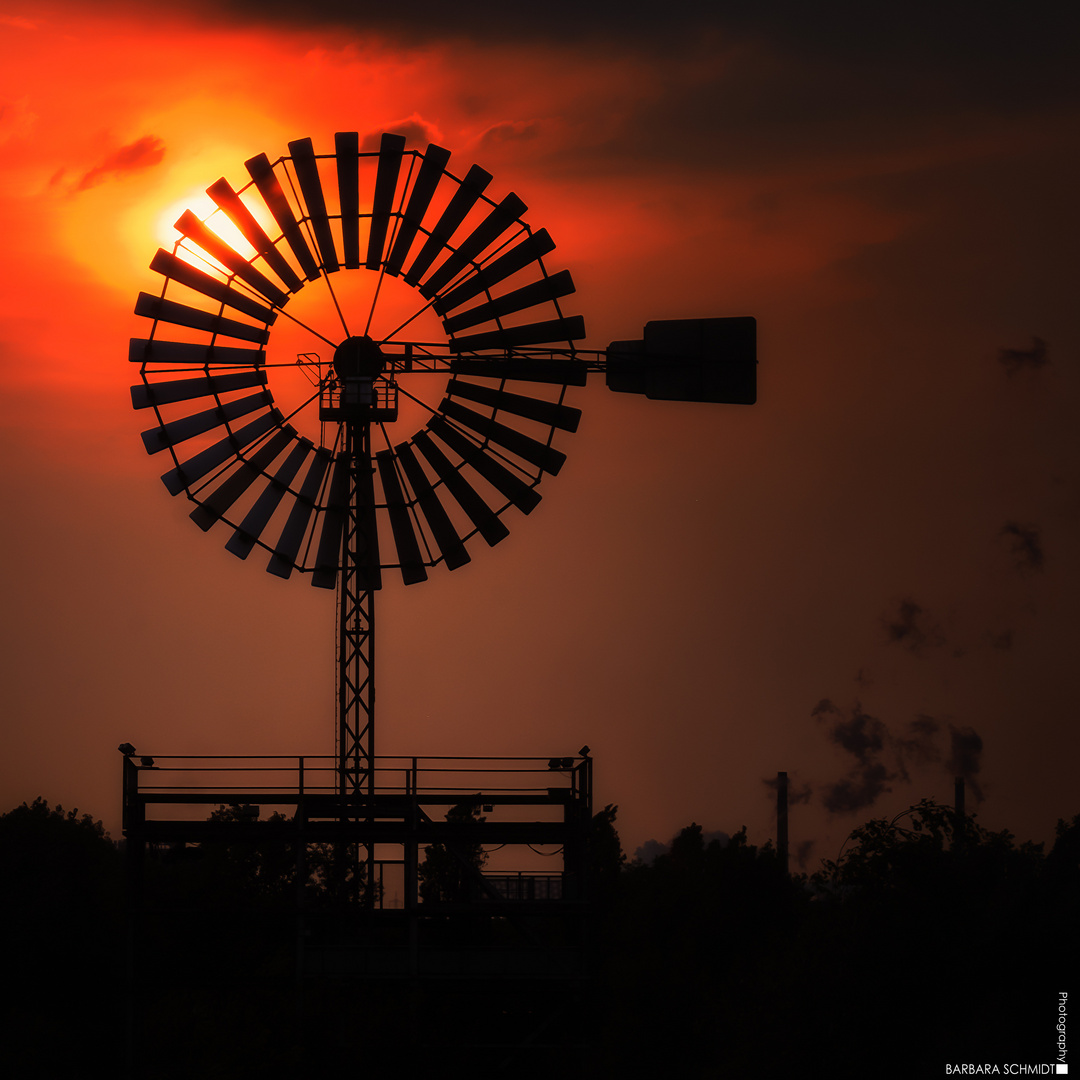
(717, 836)
(880, 756)
(650, 851)
(479, 21)
(418, 133)
(864, 737)
(737, 85)
(861, 735)
(965, 757)
(797, 793)
(913, 628)
(1013, 45)
(1004, 640)
(800, 852)
(141, 154)
(919, 745)
(508, 131)
(858, 790)
(1032, 359)
(1025, 545)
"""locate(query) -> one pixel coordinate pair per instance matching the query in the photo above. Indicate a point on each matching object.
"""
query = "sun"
(203, 207)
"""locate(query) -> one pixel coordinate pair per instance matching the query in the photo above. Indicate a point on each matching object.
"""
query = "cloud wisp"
(881, 756)
(1025, 545)
(913, 628)
(1016, 360)
(965, 757)
(141, 154)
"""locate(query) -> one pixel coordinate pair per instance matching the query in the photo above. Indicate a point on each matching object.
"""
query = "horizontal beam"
(363, 832)
(388, 805)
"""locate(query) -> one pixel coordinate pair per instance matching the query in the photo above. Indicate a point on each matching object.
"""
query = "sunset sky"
(868, 579)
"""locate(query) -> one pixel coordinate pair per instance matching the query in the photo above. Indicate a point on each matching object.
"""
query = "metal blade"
(222, 193)
(507, 213)
(328, 557)
(567, 329)
(217, 504)
(530, 250)
(168, 311)
(369, 565)
(144, 396)
(464, 198)
(283, 561)
(262, 172)
(178, 431)
(431, 172)
(210, 242)
(307, 172)
(511, 486)
(539, 292)
(408, 550)
(442, 529)
(195, 468)
(155, 351)
(523, 369)
(544, 412)
(390, 151)
(526, 448)
(178, 269)
(480, 514)
(255, 520)
(347, 152)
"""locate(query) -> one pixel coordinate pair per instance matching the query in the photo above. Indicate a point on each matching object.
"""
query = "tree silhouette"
(449, 871)
(61, 934)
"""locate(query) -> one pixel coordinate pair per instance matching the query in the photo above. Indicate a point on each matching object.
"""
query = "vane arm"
(712, 360)
(707, 360)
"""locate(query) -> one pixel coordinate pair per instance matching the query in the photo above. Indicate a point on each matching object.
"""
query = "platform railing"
(274, 781)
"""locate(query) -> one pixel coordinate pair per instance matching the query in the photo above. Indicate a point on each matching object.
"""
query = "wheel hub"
(358, 358)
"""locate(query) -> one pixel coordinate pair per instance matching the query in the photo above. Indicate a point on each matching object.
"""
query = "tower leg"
(356, 650)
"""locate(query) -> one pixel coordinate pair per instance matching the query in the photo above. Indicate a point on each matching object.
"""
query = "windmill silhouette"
(330, 487)
(363, 501)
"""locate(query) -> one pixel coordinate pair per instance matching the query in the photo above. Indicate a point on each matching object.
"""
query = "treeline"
(930, 941)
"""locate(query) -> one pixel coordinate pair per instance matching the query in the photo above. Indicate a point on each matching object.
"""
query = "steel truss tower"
(356, 629)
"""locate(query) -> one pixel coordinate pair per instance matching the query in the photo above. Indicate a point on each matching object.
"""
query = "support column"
(356, 629)
(782, 819)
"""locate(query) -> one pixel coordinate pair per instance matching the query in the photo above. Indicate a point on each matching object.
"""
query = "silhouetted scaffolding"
(517, 926)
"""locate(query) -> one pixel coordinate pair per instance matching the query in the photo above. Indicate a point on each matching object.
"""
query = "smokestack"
(781, 820)
(958, 796)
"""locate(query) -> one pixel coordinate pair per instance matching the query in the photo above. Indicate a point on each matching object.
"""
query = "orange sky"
(698, 577)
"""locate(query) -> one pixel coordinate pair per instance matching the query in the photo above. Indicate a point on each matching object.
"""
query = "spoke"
(469, 271)
(386, 437)
(374, 301)
(293, 364)
(234, 280)
(333, 296)
(307, 223)
(389, 246)
(309, 329)
(303, 405)
(389, 337)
